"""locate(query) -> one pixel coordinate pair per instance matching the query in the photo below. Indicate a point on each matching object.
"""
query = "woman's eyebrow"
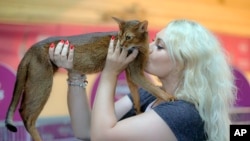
(158, 38)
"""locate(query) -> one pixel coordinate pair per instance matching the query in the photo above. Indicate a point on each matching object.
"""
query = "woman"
(190, 64)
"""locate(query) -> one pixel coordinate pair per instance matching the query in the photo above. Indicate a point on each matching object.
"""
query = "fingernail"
(113, 37)
(62, 41)
(67, 42)
(71, 47)
(52, 45)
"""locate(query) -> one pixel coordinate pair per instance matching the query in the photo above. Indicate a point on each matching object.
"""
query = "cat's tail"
(18, 90)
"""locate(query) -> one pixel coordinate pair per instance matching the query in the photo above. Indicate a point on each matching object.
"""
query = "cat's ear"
(143, 26)
(119, 21)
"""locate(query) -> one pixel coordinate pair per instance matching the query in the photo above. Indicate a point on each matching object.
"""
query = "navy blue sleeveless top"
(182, 117)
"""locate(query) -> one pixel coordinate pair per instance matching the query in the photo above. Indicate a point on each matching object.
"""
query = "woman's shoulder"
(183, 118)
(180, 109)
(145, 98)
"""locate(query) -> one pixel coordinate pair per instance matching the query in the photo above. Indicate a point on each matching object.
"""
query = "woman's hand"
(60, 55)
(117, 59)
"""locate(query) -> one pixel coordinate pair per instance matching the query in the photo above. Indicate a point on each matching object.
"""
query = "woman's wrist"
(76, 79)
(110, 72)
(75, 75)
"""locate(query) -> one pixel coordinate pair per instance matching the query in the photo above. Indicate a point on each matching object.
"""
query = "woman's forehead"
(160, 34)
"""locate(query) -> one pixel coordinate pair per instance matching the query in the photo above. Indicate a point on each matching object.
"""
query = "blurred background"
(25, 22)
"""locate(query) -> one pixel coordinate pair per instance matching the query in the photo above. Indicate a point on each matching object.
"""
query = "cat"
(35, 72)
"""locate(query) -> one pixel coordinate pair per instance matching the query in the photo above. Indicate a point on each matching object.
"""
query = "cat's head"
(132, 34)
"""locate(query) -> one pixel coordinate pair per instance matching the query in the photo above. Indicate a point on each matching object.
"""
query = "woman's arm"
(104, 115)
(78, 104)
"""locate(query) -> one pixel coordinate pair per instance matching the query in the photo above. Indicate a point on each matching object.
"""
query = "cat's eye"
(128, 37)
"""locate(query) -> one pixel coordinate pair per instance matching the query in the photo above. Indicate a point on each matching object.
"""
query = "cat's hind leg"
(36, 94)
(32, 104)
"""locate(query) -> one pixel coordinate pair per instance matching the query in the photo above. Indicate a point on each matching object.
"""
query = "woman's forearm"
(79, 109)
(104, 116)
(103, 109)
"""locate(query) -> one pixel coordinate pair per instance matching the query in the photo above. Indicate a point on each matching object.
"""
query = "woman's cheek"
(146, 68)
(152, 63)
(150, 67)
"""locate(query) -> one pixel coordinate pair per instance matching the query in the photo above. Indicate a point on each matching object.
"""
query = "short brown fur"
(35, 72)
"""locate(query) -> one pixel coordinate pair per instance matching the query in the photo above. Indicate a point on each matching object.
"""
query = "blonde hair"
(207, 78)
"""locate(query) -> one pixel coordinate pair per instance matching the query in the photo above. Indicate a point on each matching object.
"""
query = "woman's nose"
(150, 50)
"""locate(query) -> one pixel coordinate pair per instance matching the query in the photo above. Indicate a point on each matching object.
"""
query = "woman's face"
(159, 62)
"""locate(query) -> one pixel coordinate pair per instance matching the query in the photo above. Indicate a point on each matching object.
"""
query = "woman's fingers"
(64, 52)
(71, 53)
(68, 63)
(57, 53)
(61, 55)
(51, 51)
(119, 54)
(124, 53)
(117, 48)
(111, 45)
(132, 56)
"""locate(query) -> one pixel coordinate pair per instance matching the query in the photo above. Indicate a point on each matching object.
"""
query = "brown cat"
(35, 72)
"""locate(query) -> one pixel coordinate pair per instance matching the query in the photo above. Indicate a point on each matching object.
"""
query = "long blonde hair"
(207, 78)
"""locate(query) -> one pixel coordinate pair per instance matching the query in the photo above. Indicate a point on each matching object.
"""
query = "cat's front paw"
(172, 98)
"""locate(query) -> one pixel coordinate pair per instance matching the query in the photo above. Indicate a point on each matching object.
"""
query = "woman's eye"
(159, 47)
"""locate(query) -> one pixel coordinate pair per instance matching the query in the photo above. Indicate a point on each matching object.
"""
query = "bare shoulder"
(146, 126)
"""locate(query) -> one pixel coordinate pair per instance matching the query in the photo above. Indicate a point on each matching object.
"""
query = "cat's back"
(81, 39)
(90, 37)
